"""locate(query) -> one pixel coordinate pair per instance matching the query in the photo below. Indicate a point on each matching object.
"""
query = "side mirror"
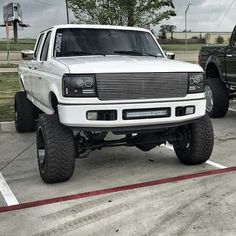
(27, 55)
(170, 55)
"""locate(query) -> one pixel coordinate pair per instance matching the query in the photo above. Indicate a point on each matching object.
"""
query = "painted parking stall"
(112, 190)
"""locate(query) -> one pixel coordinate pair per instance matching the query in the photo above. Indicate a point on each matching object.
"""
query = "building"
(211, 37)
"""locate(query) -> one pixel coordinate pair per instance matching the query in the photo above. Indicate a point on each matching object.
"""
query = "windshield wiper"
(76, 53)
(135, 53)
(82, 53)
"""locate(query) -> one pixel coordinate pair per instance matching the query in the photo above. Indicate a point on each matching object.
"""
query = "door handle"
(229, 55)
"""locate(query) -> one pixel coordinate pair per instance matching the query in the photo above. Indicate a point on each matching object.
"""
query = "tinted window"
(44, 53)
(234, 40)
(38, 46)
(81, 42)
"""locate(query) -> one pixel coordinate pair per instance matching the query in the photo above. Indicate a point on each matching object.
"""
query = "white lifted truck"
(82, 82)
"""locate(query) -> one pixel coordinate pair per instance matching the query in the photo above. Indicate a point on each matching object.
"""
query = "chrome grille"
(127, 86)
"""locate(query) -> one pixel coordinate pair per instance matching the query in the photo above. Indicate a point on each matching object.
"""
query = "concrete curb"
(8, 70)
(7, 126)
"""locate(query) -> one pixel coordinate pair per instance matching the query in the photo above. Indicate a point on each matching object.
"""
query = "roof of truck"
(84, 26)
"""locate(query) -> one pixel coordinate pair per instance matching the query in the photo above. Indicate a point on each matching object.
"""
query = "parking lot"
(121, 191)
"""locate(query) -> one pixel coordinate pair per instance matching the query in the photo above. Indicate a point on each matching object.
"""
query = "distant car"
(219, 63)
(90, 80)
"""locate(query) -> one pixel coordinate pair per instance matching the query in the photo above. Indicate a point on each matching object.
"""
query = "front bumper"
(75, 115)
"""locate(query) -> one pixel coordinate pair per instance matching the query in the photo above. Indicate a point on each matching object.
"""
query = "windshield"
(82, 42)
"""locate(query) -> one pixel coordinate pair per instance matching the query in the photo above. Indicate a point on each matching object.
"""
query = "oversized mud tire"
(24, 113)
(55, 149)
(217, 96)
(198, 143)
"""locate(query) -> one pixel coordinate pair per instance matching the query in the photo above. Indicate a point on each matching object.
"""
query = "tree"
(167, 29)
(142, 13)
(171, 29)
(220, 40)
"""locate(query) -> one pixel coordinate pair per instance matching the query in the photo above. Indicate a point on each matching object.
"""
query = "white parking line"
(168, 146)
(216, 165)
(7, 194)
(230, 109)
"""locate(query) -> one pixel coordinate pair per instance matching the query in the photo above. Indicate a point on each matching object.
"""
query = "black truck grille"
(127, 86)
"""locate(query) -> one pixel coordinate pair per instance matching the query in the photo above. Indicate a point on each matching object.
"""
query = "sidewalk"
(4, 70)
(191, 56)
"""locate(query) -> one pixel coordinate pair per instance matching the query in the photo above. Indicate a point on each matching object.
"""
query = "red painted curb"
(115, 189)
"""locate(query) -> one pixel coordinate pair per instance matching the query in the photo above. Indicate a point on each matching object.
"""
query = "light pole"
(186, 40)
(67, 13)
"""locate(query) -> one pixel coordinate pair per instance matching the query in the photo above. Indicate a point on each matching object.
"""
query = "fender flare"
(52, 94)
(21, 82)
(216, 62)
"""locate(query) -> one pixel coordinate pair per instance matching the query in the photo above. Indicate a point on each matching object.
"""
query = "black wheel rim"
(209, 98)
(186, 139)
(41, 150)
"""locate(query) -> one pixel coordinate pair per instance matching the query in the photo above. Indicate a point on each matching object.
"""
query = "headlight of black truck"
(79, 86)
(196, 83)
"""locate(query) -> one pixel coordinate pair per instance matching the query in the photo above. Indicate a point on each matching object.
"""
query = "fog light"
(92, 115)
(189, 110)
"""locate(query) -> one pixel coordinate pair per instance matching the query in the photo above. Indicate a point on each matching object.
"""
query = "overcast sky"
(203, 15)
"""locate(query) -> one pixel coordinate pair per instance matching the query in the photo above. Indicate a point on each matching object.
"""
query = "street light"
(186, 40)
(67, 13)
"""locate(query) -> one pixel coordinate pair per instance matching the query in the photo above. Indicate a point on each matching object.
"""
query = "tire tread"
(60, 149)
(25, 113)
(220, 98)
(202, 142)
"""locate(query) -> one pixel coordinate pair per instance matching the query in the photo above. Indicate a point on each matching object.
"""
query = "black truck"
(219, 63)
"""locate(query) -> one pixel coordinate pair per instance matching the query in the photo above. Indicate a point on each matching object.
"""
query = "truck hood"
(125, 64)
(215, 47)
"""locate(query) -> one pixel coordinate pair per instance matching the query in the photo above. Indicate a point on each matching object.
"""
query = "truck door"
(231, 59)
(40, 71)
(29, 65)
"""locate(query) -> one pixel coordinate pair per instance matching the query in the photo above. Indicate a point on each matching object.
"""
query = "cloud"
(203, 15)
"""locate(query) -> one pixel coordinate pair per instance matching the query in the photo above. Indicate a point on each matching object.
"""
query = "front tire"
(217, 96)
(198, 142)
(55, 149)
(24, 113)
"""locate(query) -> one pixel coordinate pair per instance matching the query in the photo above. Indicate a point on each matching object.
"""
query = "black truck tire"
(219, 105)
(55, 149)
(24, 113)
(198, 144)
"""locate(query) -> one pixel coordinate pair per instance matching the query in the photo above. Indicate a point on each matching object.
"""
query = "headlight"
(79, 86)
(196, 83)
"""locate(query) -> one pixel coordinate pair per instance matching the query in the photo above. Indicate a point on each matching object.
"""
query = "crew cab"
(83, 82)
(219, 63)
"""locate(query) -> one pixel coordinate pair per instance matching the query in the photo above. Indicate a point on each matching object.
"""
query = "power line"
(227, 11)
(42, 3)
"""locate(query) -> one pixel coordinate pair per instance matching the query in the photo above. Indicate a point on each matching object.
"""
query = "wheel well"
(22, 84)
(54, 102)
(212, 71)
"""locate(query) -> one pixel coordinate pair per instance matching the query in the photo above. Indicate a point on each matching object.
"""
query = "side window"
(44, 53)
(234, 40)
(38, 46)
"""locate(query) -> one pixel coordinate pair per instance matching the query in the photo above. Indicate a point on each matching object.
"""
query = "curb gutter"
(7, 126)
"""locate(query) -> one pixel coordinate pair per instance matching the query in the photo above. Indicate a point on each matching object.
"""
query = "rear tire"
(197, 144)
(217, 96)
(24, 113)
(55, 149)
